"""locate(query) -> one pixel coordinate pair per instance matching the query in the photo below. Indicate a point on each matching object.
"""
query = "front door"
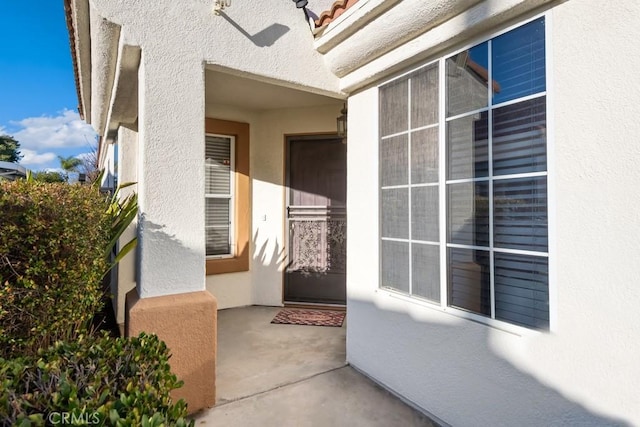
(316, 217)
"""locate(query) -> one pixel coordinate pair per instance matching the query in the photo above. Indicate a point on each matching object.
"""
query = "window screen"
(218, 194)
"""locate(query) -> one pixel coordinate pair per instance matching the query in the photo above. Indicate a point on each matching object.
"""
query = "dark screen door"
(316, 217)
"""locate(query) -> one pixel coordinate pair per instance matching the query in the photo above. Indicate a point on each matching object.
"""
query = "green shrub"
(100, 381)
(53, 239)
(49, 176)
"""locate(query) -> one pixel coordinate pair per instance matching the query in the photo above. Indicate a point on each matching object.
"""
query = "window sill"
(227, 265)
(465, 315)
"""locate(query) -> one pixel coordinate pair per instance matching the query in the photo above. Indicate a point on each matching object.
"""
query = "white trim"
(552, 226)
(442, 181)
(409, 169)
(499, 177)
(492, 278)
(422, 242)
(422, 184)
(521, 99)
(467, 113)
(491, 106)
(406, 132)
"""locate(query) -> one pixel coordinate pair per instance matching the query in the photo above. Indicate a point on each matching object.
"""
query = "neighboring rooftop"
(12, 171)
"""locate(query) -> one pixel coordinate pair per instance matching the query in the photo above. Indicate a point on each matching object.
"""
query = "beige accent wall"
(187, 323)
(262, 284)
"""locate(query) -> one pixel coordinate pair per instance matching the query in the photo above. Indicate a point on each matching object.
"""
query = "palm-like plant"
(69, 164)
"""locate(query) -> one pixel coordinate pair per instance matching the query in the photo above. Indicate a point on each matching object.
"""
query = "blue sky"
(38, 102)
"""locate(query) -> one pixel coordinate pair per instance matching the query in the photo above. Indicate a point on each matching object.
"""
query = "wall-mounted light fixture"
(341, 124)
(219, 5)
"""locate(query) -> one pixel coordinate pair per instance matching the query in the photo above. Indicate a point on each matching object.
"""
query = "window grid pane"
(394, 108)
(488, 205)
(468, 213)
(519, 138)
(424, 156)
(521, 290)
(395, 265)
(469, 280)
(468, 147)
(217, 226)
(518, 62)
(424, 96)
(516, 140)
(467, 78)
(425, 275)
(394, 157)
(406, 160)
(520, 214)
(395, 213)
(217, 165)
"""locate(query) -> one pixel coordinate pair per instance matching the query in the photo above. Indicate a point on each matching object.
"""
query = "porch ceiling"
(228, 89)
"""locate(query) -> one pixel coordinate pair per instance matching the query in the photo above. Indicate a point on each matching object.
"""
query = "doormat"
(289, 316)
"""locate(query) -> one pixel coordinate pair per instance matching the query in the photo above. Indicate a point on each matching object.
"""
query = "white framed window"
(219, 195)
(463, 180)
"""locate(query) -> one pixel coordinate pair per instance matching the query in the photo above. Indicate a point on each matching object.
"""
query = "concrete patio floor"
(290, 375)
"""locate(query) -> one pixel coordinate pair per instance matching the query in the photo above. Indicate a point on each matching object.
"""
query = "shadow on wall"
(267, 263)
(463, 377)
(157, 236)
(264, 38)
(269, 257)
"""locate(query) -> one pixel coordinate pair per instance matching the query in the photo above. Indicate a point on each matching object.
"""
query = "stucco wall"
(127, 172)
(262, 284)
(585, 370)
(176, 40)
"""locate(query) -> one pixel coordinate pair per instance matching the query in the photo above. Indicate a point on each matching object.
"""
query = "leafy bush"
(48, 176)
(101, 381)
(52, 245)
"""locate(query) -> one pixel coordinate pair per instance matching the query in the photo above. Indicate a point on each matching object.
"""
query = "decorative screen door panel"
(316, 216)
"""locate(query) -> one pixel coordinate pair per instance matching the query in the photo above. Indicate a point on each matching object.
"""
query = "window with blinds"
(482, 205)
(219, 161)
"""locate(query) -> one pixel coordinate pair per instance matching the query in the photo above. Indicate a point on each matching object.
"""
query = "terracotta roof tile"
(338, 7)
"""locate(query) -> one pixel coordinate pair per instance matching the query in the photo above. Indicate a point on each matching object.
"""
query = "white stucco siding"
(127, 173)
(585, 370)
(170, 176)
(424, 28)
(268, 39)
(597, 179)
(262, 284)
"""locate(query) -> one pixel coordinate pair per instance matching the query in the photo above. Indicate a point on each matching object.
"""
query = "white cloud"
(65, 130)
(32, 158)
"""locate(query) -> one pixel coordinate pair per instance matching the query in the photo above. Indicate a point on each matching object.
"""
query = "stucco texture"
(584, 371)
(187, 323)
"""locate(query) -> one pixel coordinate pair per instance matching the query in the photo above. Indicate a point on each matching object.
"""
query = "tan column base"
(187, 323)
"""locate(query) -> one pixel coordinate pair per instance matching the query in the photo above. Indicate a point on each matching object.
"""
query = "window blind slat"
(519, 138)
(521, 290)
(469, 280)
(218, 170)
(217, 165)
(520, 214)
(518, 62)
